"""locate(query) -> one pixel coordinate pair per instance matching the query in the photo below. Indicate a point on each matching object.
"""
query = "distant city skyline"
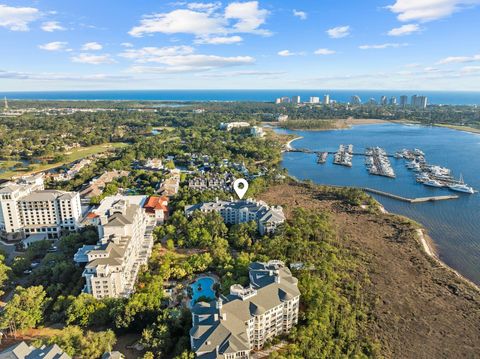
(266, 44)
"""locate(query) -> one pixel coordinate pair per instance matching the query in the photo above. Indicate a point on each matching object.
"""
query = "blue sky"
(303, 44)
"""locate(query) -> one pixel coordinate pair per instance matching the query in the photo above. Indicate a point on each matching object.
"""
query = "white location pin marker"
(240, 186)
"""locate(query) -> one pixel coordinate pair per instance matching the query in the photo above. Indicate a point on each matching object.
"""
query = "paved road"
(9, 250)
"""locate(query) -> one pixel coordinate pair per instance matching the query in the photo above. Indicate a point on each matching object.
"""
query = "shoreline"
(459, 128)
(428, 250)
(288, 145)
(427, 244)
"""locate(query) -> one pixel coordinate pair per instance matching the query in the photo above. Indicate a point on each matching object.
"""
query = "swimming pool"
(202, 287)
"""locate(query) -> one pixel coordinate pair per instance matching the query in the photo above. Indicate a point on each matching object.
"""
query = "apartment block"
(268, 218)
(234, 325)
(26, 208)
(125, 231)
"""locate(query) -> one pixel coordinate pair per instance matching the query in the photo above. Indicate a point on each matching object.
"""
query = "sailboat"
(461, 186)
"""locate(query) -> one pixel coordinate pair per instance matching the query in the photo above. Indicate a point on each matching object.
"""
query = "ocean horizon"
(228, 95)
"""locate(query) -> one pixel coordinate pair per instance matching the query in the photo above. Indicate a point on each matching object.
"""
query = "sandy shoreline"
(288, 145)
(427, 248)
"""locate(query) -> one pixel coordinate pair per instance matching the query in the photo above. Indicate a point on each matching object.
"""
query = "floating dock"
(322, 157)
(343, 156)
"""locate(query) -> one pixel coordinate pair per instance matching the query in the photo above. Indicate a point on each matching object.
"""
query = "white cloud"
(470, 69)
(17, 18)
(339, 32)
(324, 52)
(205, 20)
(382, 46)
(126, 44)
(300, 14)
(152, 54)
(208, 7)
(458, 59)
(219, 40)
(404, 30)
(250, 17)
(428, 10)
(179, 59)
(48, 76)
(54, 46)
(287, 53)
(93, 59)
(51, 26)
(92, 46)
(179, 21)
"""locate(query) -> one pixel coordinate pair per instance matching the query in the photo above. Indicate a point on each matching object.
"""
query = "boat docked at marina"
(433, 183)
(461, 186)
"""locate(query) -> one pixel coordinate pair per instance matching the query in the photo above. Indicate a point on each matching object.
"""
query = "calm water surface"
(454, 225)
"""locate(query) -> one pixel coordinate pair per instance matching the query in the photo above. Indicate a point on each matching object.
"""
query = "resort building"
(72, 172)
(170, 186)
(157, 207)
(24, 351)
(96, 186)
(268, 218)
(232, 326)
(213, 183)
(257, 131)
(153, 164)
(125, 244)
(229, 125)
(27, 208)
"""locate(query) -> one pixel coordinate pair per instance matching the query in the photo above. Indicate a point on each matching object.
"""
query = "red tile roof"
(155, 203)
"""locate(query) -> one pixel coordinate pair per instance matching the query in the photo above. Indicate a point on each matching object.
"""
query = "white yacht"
(461, 187)
(433, 183)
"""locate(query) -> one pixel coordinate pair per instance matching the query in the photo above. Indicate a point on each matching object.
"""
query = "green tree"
(77, 343)
(4, 273)
(85, 310)
(26, 308)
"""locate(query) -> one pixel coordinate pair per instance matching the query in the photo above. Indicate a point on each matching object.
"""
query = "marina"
(377, 162)
(344, 156)
(433, 175)
(322, 157)
(452, 224)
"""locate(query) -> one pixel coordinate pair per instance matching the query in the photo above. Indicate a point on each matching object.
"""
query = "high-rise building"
(383, 101)
(268, 218)
(314, 99)
(326, 99)
(392, 101)
(403, 100)
(419, 101)
(6, 104)
(372, 101)
(356, 100)
(26, 208)
(296, 99)
(249, 317)
(125, 245)
(284, 99)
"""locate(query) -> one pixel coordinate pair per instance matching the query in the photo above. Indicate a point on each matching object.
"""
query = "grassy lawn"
(70, 156)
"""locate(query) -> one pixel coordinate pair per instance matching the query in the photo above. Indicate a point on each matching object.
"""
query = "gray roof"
(24, 351)
(222, 328)
(47, 195)
(262, 211)
(113, 355)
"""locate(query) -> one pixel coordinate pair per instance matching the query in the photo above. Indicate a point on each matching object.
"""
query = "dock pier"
(410, 200)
